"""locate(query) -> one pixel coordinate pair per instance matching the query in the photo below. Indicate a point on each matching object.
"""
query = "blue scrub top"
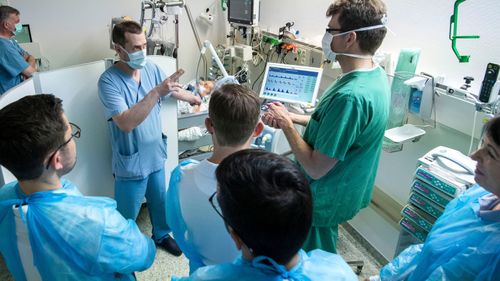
(142, 151)
(12, 64)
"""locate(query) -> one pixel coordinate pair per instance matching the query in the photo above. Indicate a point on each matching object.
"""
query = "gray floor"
(165, 265)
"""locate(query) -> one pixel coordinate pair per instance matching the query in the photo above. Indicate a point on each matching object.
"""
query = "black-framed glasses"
(330, 30)
(216, 206)
(75, 133)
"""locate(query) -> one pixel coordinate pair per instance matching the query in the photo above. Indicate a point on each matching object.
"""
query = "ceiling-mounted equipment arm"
(145, 5)
(453, 33)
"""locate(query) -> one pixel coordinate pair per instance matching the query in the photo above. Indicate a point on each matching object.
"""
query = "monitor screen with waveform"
(291, 83)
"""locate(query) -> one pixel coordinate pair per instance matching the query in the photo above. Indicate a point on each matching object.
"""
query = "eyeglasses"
(216, 206)
(218, 210)
(330, 30)
(75, 133)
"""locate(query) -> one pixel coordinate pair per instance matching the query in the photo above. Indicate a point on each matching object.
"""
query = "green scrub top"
(348, 124)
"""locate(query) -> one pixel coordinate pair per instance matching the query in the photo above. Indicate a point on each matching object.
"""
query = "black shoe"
(168, 243)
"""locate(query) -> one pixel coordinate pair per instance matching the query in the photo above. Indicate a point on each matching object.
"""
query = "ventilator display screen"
(291, 83)
(241, 11)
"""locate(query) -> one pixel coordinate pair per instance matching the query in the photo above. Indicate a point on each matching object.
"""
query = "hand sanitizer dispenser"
(420, 102)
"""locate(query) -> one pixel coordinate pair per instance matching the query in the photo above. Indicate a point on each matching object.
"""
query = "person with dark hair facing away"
(266, 203)
(464, 243)
(15, 63)
(233, 121)
(49, 230)
(340, 148)
(130, 92)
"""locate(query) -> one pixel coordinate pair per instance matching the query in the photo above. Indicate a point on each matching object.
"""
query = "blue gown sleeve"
(403, 265)
(461, 246)
(124, 248)
(176, 221)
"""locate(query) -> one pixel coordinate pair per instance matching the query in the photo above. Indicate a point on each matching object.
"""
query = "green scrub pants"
(324, 238)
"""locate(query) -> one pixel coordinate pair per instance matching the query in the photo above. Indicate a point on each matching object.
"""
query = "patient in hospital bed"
(203, 89)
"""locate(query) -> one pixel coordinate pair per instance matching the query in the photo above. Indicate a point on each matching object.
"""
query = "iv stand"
(161, 5)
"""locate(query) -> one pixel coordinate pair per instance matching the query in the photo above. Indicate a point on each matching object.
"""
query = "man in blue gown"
(266, 203)
(49, 230)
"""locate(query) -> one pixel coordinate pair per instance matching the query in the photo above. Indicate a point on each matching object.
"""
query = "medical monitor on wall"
(243, 12)
(25, 35)
(291, 83)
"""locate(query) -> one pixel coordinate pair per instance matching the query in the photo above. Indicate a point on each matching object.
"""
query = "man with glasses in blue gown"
(265, 201)
(49, 230)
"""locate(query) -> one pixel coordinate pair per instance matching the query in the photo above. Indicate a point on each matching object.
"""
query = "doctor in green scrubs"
(341, 146)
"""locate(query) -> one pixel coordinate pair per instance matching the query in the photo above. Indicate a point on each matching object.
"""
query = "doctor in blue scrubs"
(15, 63)
(130, 92)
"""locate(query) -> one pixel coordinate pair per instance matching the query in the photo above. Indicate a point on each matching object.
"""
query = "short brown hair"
(118, 34)
(355, 14)
(6, 11)
(234, 111)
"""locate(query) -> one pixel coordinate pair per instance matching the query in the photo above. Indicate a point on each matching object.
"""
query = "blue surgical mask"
(19, 28)
(331, 55)
(136, 60)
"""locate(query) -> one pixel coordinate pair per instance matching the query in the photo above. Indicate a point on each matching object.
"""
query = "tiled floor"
(166, 265)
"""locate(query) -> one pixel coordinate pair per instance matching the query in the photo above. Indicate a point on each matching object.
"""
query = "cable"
(263, 70)
(198, 67)
(473, 131)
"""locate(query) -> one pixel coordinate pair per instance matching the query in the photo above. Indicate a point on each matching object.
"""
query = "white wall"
(423, 24)
(74, 32)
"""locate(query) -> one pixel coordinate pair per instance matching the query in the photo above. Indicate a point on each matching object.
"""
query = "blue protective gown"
(176, 222)
(209, 242)
(72, 237)
(462, 245)
(315, 265)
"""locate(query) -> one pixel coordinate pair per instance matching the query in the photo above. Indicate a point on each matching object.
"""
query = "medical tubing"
(473, 130)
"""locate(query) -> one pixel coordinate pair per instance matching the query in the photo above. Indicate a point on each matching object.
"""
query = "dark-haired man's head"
(266, 202)
(353, 14)
(128, 37)
(34, 134)
(233, 115)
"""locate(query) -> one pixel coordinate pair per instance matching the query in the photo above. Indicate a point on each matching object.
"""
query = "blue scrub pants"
(129, 195)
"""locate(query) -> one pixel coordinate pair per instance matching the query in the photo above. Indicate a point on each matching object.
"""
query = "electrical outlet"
(315, 58)
(303, 56)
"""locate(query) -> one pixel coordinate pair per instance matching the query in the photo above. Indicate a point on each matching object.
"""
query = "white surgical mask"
(331, 55)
